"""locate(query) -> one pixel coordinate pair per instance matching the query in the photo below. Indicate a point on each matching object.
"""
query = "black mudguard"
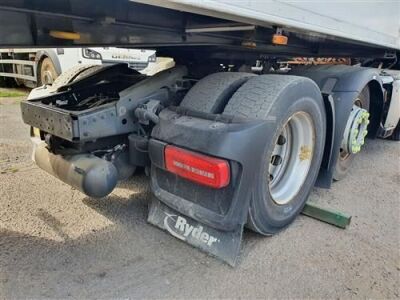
(221, 213)
(224, 245)
(340, 85)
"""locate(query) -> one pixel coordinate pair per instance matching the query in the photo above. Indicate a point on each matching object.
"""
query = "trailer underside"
(187, 37)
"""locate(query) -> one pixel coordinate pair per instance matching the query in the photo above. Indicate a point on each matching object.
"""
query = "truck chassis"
(234, 135)
(96, 129)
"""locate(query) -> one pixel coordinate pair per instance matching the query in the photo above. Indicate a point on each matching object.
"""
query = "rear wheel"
(292, 157)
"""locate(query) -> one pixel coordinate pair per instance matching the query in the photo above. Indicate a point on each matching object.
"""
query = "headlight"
(90, 54)
(152, 58)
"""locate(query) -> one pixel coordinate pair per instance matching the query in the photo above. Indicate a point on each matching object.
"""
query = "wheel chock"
(327, 215)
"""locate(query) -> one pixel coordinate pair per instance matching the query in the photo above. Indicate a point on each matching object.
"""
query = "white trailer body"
(370, 22)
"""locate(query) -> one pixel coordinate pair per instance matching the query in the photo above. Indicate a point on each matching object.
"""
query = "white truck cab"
(35, 67)
(137, 59)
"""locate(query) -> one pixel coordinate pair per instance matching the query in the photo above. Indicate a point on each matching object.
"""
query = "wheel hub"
(356, 130)
(291, 158)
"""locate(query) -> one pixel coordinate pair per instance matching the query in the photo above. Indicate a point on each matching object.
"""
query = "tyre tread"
(254, 98)
(211, 93)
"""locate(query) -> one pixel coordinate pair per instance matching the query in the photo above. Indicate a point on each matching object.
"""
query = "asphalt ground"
(56, 242)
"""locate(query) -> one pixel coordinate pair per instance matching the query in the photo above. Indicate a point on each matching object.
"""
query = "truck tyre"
(211, 93)
(47, 72)
(293, 150)
(396, 133)
(345, 159)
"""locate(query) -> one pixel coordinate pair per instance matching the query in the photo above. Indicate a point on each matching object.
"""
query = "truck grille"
(138, 65)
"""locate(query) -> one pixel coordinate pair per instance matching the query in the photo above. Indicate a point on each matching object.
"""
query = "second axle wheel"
(354, 135)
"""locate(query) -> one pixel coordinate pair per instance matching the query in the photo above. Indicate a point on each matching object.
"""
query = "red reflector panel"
(210, 171)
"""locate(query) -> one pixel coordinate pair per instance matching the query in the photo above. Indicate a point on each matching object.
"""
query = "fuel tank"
(88, 173)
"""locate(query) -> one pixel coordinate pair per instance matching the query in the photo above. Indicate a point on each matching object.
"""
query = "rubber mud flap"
(224, 245)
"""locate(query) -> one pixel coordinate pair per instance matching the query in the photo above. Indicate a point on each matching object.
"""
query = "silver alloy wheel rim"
(291, 158)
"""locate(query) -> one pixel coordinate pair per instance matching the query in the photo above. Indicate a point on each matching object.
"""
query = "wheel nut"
(281, 140)
(276, 160)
